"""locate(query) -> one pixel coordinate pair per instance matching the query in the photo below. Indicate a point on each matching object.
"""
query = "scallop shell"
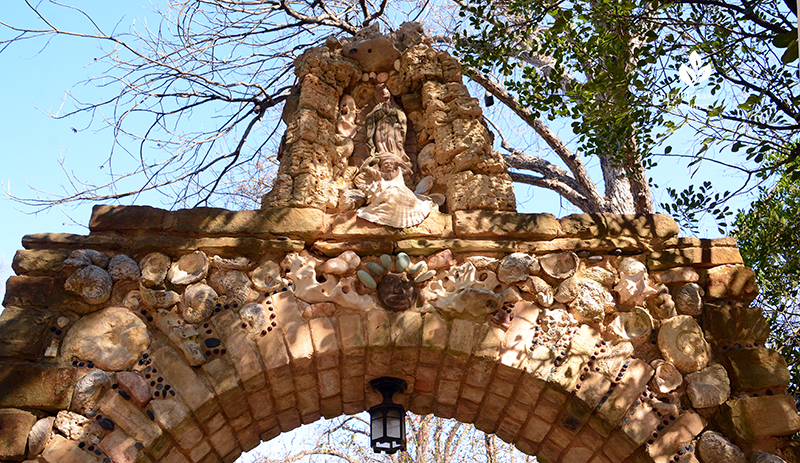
(403, 212)
(40, 435)
(122, 267)
(84, 257)
(234, 284)
(239, 263)
(267, 276)
(661, 305)
(713, 447)
(516, 267)
(666, 378)
(689, 299)
(632, 325)
(709, 387)
(92, 283)
(682, 343)
(198, 302)
(158, 299)
(154, 268)
(560, 265)
(761, 457)
(190, 268)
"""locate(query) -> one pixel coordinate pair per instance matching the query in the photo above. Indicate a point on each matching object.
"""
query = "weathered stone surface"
(39, 261)
(659, 226)
(504, 225)
(754, 418)
(14, 428)
(22, 332)
(36, 291)
(709, 387)
(135, 386)
(27, 385)
(732, 281)
(120, 447)
(133, 421)
(76, 426)
(757, 368)
(699, 257)
(728, 323)
(61, 450)
(347, 225)
(88, 389)
(713, 447)
(119, 218)
(113, 339)
(69, 241)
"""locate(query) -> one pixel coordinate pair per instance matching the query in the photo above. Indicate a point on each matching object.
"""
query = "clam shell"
(158, 299)
(88, 390)
(197, 303)
(267, 276)
(122, 267)
(92, 283)
(190, 268)
(689, 299)
(632, 325)
(560, 265)
(121, 290)
(40, 435)
(234, 284)
(709, 387)
(238, 263)
(713, 447)
(682, 343)
(666, 378)
(154, 268)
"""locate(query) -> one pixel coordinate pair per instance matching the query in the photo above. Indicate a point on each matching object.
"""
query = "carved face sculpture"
(397, 292)
(389, 168)
(382, 93)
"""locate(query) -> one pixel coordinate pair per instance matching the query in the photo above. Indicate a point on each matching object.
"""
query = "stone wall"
(191, 336)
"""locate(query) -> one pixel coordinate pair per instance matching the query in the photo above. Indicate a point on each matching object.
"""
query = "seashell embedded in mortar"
(636, 324)
(539, 288)
(484, 263)
(682, 343)
(267, 276)
(559, 265)
(346, 262)
(366, 279)
(301, 268)
(423, 277)
(40, 435)
(666, 377)
(419, 267)
(386, 262)
(234, 284)
(556, 322)
(197, 303)
(122, 267)
(238, 263)
(154, 268)
(113, 339)
(762, 457)
(88, 390)
(190, 268)
(516, 267)
(713, 447)
(601, 275)
(181, 335)
(121, 289)
(375, 268)
(709, 387)
(634, 288)
(464, 290)
(661, 305)
(158, 298)
(84, 257)
(92, 283)
(689, 299)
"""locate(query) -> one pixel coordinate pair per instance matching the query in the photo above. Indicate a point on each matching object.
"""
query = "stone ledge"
(347, 225)
(29, 385)
(754, 418)
(501, 224)
(605, 224)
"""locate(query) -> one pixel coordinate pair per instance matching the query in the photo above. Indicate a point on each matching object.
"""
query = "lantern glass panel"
(394, 424)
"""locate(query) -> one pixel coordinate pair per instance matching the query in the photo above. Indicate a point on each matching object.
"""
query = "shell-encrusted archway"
(191, 336)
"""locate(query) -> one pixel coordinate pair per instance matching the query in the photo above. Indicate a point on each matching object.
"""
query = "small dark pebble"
(91, 413)
(74, 363)
(138, 445)
(105, 423)
(145, 355)
(212, 342)
(216, 351)
(149, 319)
(226, 306)
(155, 371)
(167, 387)
(151, 415)
(159, 387)
(90, 365)
(106, 460)
(223, 351)
(53, 329)
(90, 448)
(157, 394)
(124, 395)
(172, 392)
(114, 386)
(97, 452)
(81, 445)
(81, 364)
(58, 332)
(143, 312)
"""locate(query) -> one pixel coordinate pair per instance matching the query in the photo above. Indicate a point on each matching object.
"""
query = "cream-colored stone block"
(536, 429)
(681, 433)
(379, 324)
(225, 383)
(407, 329)
(173, 456)
(134, 422)
(447, 392)
(626, 393)
(434, 333)
(174, 417)
(261, 404)
(223, 441)
(60, 450)
(351, 332)
(461, 339)
(241, 422)
(120, 447)
(199, 452)
(185, 382)
(323, 334)
(329, 383)
(273, 350)
(242, 351)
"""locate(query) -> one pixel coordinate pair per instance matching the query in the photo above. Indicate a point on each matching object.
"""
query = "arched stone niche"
(191, 336)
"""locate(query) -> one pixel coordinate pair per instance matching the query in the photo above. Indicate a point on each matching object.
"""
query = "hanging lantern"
(488, 99)
(387, 419)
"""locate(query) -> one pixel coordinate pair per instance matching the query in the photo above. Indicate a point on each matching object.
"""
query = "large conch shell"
(190, 268)
(666, 378)
(154, 268)
(682, 343)
(636, 324)
(466, 290)
(198, 303)
(92, 283)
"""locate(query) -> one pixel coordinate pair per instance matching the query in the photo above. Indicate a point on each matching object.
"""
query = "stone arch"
(563, 382)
